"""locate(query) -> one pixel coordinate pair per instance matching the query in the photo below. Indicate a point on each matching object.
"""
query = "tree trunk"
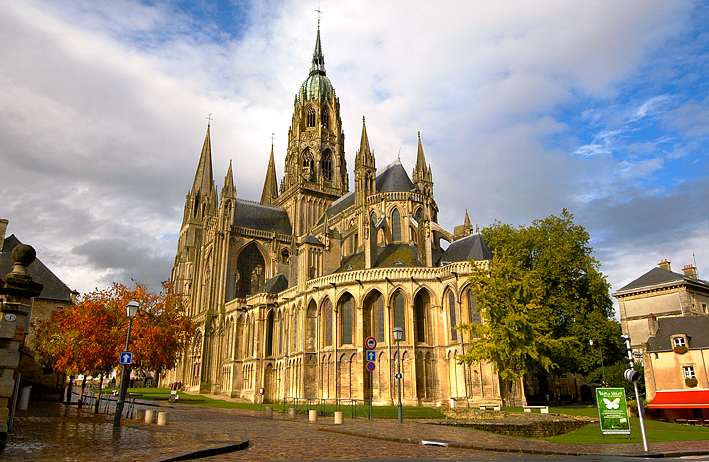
(81, 393)
(98, 398)
(68, 391)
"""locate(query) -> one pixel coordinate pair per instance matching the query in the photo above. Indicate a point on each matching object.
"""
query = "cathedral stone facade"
(286, 290)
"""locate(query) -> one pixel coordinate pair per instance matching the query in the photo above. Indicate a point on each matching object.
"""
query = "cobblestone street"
(57, 432)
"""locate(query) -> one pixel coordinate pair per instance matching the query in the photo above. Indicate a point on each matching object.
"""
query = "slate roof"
(392, 178)
(313, 240)
(471, 247)
(253, 215)
(696, 328)
(277, 283)
(388, 256)
(658, 276)
(54, 288)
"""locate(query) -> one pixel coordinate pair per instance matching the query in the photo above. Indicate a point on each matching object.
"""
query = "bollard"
(151, 416)
(291, 413)
(140, 414)
(269, 412)
(312, 416)
(163, 418)
(338, 417)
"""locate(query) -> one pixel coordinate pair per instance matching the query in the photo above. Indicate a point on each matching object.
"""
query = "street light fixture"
(603, 368)
(131, 312)
(398, 335)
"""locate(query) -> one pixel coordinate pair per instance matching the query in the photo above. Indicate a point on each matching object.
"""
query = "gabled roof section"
(471, 247)
(394, 178)
(313, 240)
(277, 283)
(252, 215)
(696, 328)
(659, 277)
(388, 256)
(54, 288)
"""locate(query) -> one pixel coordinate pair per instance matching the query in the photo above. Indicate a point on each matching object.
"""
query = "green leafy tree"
(568, 297)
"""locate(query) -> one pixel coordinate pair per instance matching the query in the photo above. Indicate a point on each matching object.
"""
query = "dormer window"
(679, 342)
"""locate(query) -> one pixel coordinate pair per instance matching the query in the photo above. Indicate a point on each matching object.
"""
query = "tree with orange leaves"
(89, 337)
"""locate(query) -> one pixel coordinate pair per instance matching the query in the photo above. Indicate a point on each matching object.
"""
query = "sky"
(525, 108)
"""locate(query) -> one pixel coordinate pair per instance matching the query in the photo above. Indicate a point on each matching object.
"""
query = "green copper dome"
(317, 85)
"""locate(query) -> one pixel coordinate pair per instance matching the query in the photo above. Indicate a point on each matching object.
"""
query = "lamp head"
(590, 342)
(132, 308)
(398, 333)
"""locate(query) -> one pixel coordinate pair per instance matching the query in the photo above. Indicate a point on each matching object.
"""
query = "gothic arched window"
(420, 319)
(327, 321)
(269, 334)
(325, 119)
(326, 166)
(310, 117)
(396, 226)
(346, 319)
(399, 315)
(250, 267)
(454, 313)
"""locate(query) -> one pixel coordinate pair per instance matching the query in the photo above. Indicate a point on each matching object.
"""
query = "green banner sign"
(613, 411)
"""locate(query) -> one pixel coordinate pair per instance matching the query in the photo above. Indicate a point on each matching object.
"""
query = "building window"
(326, 166)
(399, 319)
(704, 308)
(328, 322)
(396, 226)
(453, 315)
(269, 334)
(346, 316)
(380, 319)
(325, 119)
(679, 342)
(688, 372)
(310, 117)
(420, 306)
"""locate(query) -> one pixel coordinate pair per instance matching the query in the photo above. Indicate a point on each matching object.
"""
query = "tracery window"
(326, 166)
(399, 316)
(327, 319)
(310, 117)
(250, 267)
(454, 316)
(396, 226)
(347, 318)
(325, 119)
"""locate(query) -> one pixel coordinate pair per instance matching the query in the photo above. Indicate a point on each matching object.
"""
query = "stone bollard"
(338, 418)
(269, 412)
(312, 416)
(140, 414)
(163, 418)
(291, 413)
(151, 416)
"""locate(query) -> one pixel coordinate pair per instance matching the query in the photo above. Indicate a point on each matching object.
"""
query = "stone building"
(55, 294)
(286, 290)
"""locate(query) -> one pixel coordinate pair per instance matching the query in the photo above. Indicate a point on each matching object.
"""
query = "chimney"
(690, 271)
(3, 230)
(665, 265)
(652, 325)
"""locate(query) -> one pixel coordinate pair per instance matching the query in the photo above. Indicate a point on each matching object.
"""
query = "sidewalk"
(55, 431)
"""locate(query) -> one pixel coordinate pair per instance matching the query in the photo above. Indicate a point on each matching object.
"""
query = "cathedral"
(286, 290)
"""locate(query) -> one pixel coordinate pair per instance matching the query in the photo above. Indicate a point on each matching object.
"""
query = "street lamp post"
(131, 311)
(398, 335)
(603, 368)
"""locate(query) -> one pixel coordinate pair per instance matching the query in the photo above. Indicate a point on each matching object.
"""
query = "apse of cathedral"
(286, 290)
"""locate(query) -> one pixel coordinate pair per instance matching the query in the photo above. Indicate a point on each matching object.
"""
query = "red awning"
(680, 399)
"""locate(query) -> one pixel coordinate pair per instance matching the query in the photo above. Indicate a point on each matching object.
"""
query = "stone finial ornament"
(23, 255)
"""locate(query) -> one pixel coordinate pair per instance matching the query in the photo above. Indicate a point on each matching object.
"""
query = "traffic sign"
(260, 391)
(371, 356)
(371, 343)
(125, 358)
(371, 366)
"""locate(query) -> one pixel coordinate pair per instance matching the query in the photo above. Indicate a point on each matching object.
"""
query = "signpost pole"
(640, 414)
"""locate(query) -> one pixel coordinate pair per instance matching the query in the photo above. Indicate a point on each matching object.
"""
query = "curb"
(210, 452)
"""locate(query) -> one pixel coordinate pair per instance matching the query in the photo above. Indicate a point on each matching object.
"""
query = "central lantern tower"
(315, 169)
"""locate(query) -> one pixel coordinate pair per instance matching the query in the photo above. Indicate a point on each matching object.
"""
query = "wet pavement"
(60, 432)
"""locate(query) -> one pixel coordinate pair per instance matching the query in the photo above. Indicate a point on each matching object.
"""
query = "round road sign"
(260, 391)
(371, 343)
(371, 366)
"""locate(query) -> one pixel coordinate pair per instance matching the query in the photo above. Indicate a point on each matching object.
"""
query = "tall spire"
(420, 157)
(365, 169)
(229, 189)
(318, 58)
(203, 179)
(270, 185)
(422, 177)
(364, 151)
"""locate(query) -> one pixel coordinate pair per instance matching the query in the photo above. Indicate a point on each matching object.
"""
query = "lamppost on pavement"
(603, 368)
(398, 335)
(131, 311)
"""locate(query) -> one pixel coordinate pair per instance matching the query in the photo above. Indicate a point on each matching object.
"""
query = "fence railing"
(351, 408)
(107, 403)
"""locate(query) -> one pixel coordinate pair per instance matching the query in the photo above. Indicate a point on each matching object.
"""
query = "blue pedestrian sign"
(126, 358)
(371, 355)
